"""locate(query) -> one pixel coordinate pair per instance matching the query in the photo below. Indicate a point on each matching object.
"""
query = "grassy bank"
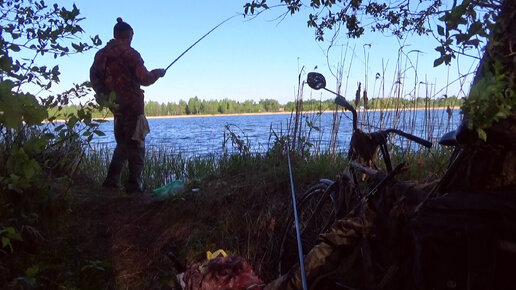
(63, 230)
(240, 207)
(79, 235)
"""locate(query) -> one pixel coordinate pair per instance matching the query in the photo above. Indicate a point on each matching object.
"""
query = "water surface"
(206, 135)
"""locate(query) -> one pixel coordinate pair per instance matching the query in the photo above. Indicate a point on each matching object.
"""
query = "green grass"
(244, 199)
(163, 166)
(241, 207)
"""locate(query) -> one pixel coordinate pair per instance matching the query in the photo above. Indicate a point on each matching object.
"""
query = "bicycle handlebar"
(340, 100)
(416, 139)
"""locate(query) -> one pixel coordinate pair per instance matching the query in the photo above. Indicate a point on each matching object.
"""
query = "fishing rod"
(200, 40)
(296, 218)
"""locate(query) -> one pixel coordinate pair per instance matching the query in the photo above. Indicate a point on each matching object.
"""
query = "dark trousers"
(126, 150)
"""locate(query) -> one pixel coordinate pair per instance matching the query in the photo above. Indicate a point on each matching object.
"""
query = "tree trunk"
(465, 239)
(491, 165)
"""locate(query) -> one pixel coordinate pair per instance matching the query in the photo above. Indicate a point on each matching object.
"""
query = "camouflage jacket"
(119, 68)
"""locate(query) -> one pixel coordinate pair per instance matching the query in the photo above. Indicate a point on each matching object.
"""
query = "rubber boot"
(115, 169)
(136, 165)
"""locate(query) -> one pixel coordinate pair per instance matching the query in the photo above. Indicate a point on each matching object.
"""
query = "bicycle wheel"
(314, 219)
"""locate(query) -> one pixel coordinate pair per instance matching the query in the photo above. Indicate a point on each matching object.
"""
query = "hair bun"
(121, 29)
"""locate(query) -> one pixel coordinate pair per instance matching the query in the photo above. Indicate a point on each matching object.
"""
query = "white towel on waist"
(141, 130)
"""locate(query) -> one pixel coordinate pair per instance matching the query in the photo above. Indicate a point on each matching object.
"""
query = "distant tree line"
(195, 106)
(379, 104)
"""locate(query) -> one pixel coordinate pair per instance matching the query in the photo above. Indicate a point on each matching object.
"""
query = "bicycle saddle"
(449, 139)
(462, 135)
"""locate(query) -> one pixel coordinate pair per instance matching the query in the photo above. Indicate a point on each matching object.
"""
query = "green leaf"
(32, 271)
(502, 115)
(99, 133)
(438, 61)
(10, 117)
(482, 134)
(7, 242)
(49, 136)
(476, 28)
(72, 121)
(14, 47)
(440, 30)
(35, 146)
(5, 88)
(96, 40)
(6, 63)
(473, 42)
(30, 169)
(440, 49)
(33, 112)
(462, 37)
(77, 47)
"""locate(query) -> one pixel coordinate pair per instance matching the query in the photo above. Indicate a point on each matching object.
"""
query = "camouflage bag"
(222, 273)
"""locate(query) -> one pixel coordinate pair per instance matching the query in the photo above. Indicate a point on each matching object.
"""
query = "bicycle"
(325, 202)
(460, 234)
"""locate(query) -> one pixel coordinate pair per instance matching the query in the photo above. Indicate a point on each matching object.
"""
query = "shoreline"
(202, 116)
(273, 113)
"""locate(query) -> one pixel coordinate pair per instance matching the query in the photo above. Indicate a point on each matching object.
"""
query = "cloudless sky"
(249, 58)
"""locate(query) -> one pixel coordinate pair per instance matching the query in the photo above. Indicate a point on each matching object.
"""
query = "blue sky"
(249, 59)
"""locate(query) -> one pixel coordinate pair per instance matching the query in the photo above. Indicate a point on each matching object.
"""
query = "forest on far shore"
(195, 106)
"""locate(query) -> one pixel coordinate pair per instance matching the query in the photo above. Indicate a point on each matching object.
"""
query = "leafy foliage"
(37, 155)
(465, 26)
(493, 95)
(334, 14)
(19, 107)
(493, 98)
(460, 27)
(31, 29)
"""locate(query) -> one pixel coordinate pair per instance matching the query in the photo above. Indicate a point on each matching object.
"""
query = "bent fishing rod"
(200, 40)
(296, 219)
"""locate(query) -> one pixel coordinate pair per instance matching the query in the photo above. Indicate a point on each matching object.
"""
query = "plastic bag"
(168, 190)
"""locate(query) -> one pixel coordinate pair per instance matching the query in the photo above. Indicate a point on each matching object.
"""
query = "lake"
(200, 136)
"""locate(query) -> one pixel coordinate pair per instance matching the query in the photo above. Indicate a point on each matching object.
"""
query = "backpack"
(222, 273)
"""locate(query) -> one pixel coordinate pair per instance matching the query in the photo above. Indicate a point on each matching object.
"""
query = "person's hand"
(159, 72)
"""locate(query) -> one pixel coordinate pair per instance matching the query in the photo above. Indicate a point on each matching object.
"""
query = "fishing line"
(296, 218)
(200, 40)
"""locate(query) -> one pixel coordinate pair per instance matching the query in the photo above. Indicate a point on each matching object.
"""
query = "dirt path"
(131, 236)
(136, 227)
(134, 233)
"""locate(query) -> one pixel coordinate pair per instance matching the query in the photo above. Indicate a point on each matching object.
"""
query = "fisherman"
(118, 70)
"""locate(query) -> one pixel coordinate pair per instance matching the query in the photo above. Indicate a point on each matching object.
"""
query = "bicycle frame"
(395, 213)
(364, 145)
(329, 200)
